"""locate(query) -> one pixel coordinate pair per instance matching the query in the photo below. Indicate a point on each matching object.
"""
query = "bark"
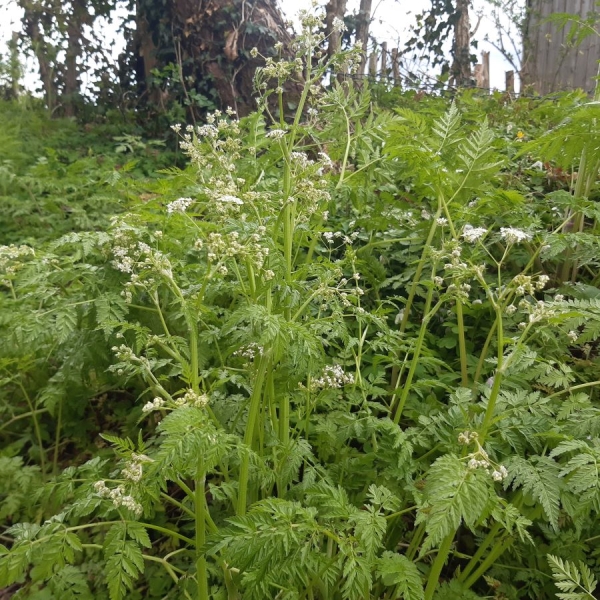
(76, 20)
(14, 65)
(334, 9)
(216, 36)
(362, 30)
(461, 68)
(32, 18)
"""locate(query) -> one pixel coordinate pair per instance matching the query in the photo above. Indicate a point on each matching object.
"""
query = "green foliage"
(339, 357)
(575, 582)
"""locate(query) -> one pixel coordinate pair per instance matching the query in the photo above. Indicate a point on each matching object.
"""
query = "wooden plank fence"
(550, 63)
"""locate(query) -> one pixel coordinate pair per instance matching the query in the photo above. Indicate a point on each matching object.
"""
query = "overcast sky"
(392, 20)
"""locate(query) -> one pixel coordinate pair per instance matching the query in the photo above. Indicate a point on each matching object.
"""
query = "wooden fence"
(385, 66)
(552, 64)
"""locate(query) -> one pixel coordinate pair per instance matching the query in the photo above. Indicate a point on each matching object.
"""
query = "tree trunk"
(14, 65)
(76, 20)
(213, 40)
(461, 68)
(31, 19)
(362, 30)
(334, 9)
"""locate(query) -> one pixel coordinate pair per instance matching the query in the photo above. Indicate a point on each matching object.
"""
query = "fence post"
(510, 82)
(373, 65)
(395, 66)
(478, 75)
(485, 60)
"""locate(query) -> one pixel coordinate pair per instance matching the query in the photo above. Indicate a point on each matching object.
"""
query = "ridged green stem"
(438, 565)
(255, 404)
(200, 508)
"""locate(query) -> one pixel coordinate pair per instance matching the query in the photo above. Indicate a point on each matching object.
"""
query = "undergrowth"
(348, 355)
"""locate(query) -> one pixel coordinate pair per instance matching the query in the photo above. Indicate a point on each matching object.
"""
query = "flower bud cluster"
(220, 133)
(191, 398)
(155, 404)
(479, 459)
(540, 311)
(134, 469)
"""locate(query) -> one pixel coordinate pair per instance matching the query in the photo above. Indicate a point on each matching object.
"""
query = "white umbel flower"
(513, 235)
(472, 234)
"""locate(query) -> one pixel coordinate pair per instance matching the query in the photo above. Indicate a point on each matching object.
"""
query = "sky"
(391, 23)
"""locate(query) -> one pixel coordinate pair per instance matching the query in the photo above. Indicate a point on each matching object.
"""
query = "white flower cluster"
(513, 235)
(276, 134)
(472, 234)
(155, 404)
(460, 291)
(137, 259)
(179, 206)
(220, 133)
(330, 236)
(10, 259)
(338, 25)
(230, 199)
(333, 377)
(118, 497)
(225, 246)
(479, 459)
(249, 351)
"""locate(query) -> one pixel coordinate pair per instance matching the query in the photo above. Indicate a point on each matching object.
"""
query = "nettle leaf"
(398, 571)
(540, 479)
(453, 494)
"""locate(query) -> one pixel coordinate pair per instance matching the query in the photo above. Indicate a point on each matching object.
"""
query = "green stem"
(491, 558)
(573, 388)
(200, 507)
(419, 271)
(25, 415)
(491, 404)
(484, 351)
(255, 404)
(180, 505)
(461, 344)
(438, 565)
(57, 437)
(347, 150)
(417, 538)
(489, 539)
(36, 426)
(417, 353)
